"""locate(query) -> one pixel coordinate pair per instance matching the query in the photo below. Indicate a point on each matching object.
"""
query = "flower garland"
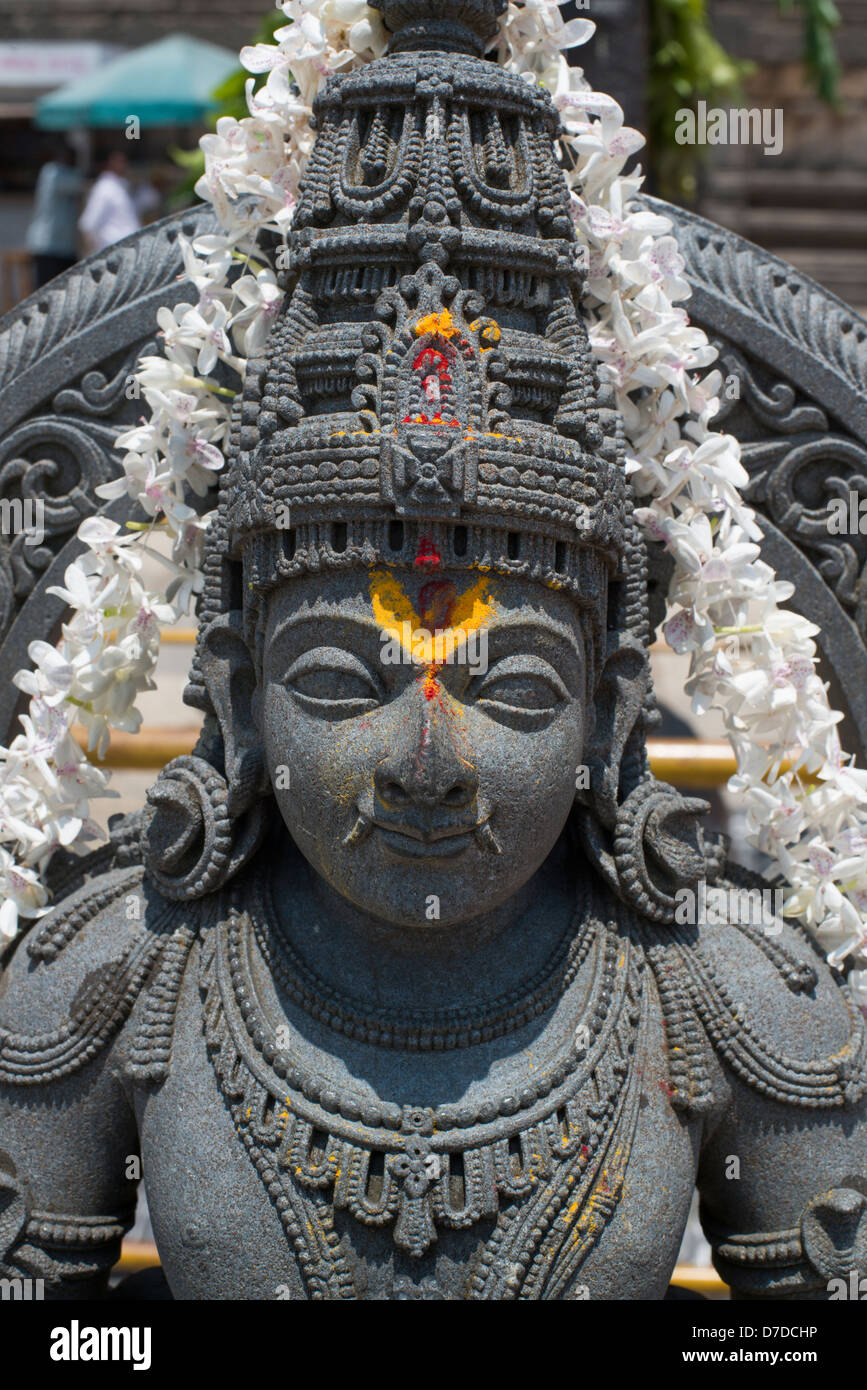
(749, 657)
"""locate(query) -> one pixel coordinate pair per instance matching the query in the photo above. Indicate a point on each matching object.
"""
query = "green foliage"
(231, 95)
(821, 18)
(687, 65)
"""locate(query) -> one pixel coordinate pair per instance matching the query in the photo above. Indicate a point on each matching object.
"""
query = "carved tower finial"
(461, 26)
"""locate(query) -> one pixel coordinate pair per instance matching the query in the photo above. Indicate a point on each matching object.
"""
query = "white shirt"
(109, 213)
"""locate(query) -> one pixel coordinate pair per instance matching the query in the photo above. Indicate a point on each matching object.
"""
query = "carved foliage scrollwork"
(799, 463)
(50, 465)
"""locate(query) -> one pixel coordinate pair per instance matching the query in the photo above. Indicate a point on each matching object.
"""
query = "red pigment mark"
(429, 420)
(428, 556)
(434, 367)
(431, 688)
(436, 601)
(435, 381)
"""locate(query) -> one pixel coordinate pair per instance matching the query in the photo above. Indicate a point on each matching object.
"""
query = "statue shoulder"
(772, 1008)
(70, 983)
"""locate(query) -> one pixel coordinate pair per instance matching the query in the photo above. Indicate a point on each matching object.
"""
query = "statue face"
(422, 734)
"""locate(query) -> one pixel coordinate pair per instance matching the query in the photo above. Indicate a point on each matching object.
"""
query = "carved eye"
(521, 692)
(334, 683)
(521, 684)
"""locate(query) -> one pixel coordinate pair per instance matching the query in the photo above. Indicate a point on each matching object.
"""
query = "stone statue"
(388, 986)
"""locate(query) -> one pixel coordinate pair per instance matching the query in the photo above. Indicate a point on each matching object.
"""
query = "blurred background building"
(44, 47)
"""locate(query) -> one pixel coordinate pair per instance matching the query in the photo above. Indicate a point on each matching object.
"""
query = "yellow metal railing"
(141, 1254)
(686, 762)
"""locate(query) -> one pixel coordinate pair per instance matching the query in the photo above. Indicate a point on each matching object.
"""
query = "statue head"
(424, 632)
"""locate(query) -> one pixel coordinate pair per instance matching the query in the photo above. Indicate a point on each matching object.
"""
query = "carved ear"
(230, 677)
(620, 695)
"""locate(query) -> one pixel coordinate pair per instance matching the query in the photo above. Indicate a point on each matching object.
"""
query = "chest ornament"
(542, 1166)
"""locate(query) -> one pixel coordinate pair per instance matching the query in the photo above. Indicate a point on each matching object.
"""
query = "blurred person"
(52, 237)
(148, 197)
(110, 212)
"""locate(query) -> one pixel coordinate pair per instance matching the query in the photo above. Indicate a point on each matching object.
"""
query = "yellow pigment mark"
(395, 614)
(442, 324)
(491, 332)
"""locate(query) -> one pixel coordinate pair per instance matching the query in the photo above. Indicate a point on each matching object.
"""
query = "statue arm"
(783, 1173)
(67, 1126)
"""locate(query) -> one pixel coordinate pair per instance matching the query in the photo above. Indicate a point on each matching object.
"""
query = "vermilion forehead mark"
(436, 603)
(441, 609)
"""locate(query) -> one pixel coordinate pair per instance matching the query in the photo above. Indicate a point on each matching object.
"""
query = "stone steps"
(816, 219)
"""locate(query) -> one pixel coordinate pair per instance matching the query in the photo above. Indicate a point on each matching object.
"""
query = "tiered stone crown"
(429, 379)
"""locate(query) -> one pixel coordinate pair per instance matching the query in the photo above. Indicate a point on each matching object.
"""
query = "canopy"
(169, 82)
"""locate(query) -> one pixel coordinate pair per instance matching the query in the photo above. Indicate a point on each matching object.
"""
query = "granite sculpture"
(387, 986)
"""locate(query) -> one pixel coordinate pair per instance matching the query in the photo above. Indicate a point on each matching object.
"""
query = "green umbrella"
(169, 82)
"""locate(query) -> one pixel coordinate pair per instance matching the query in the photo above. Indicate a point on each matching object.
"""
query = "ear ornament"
(192, 844)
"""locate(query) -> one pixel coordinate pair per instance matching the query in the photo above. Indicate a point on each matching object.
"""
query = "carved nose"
(425, 769)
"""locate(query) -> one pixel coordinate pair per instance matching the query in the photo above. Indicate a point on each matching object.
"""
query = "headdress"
(429, 381)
